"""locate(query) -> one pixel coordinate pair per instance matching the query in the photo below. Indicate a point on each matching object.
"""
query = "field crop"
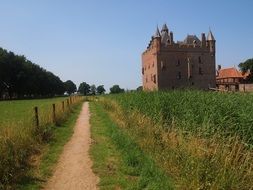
(203, 140)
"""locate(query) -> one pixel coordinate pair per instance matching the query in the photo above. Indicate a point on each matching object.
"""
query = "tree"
(116, 89)
(139, 88)
(84, 88)
(70, 87)
(100, 89)
(247, 66)
(93, 89)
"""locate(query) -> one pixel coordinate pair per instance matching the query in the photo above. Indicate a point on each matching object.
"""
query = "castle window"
(200, 59)
(146, 79)
(163, 67)
(154, 78)
(178, 62)
(179, 75)
(200, 71)
(142, 70)
(153, 64)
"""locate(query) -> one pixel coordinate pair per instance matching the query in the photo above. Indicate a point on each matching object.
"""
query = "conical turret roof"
(157, 33)
(210, 36)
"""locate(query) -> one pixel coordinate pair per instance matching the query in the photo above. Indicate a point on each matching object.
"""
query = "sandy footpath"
(73, 170)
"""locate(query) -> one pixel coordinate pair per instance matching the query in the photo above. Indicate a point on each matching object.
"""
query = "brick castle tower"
(184, 64)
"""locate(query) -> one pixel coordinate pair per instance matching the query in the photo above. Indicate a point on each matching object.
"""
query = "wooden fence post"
(53, 113)
(62, 104)
(36, 116)
(68, 103)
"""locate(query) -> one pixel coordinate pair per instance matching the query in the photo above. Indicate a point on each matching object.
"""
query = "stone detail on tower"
(184, 64)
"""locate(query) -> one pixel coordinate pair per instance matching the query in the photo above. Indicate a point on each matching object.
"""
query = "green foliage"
(247, 66)
(93, 89)
(100, 89)
(21, 78)
(84, 88)
(70, 87)
(115, 89)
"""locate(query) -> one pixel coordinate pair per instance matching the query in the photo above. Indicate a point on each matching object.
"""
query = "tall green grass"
(202, 139)
(194, 111)
(20, 138)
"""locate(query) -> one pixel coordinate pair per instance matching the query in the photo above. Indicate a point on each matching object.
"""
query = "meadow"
(21, 139)
(17, 111)
(203, 140)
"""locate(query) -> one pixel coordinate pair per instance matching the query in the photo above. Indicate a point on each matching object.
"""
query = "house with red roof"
(230, 79)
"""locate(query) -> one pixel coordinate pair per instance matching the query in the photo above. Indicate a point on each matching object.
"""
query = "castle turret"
(211, 42)
(157, 39)
(171, 38)
(165, 29)
(203, 40)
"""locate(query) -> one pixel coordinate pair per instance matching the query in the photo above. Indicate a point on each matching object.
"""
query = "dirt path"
(73, 170)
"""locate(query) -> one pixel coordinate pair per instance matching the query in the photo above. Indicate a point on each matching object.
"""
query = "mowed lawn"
(16, 111)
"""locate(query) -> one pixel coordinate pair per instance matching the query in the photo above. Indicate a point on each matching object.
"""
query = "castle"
(184, 64)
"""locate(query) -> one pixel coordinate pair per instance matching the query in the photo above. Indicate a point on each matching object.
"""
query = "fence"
(56, 113)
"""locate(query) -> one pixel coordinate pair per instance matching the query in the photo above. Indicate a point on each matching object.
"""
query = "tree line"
(20, 78)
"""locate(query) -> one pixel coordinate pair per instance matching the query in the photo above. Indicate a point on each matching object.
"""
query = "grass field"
(18, 111)
(21, 139)
(203, 140)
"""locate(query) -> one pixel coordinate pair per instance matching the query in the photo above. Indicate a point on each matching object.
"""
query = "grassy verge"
(118, 160)
(51, 153)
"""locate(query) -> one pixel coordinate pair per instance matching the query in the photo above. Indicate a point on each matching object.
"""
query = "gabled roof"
(229, 73)
(191, 38)
(165, 38)
(165, 28)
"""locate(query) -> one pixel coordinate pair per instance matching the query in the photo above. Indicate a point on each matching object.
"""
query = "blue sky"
(100, 42)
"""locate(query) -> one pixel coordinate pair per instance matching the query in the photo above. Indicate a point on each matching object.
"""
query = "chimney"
(219, 67)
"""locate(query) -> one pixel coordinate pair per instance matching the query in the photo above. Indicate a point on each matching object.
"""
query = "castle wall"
(149, 70)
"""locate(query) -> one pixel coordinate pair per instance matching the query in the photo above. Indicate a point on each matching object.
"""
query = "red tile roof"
(229, 73)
